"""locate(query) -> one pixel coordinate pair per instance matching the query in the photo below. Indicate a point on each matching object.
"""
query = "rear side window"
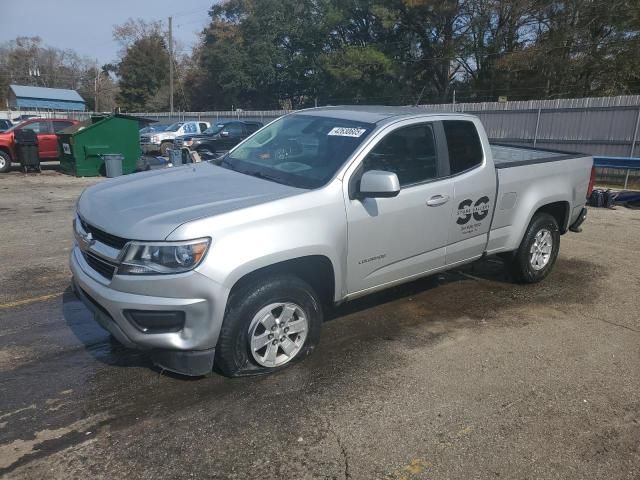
(463, 143)
(43, 126)
(57, 126)
(409, 152)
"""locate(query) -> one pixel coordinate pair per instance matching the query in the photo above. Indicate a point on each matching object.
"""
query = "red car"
(46, 128)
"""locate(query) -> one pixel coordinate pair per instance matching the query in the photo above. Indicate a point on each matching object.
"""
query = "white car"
(163, 141)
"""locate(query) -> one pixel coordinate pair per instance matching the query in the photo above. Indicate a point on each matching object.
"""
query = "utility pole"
(171, 66)
(95, 89)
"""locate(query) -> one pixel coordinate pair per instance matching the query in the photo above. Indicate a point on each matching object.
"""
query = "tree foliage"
(273, 53)
(143, 70)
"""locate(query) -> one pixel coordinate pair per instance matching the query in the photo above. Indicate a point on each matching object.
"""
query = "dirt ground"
(458, 376)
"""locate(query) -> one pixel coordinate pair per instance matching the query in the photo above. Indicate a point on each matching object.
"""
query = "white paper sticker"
(66, 148)
(347, 132)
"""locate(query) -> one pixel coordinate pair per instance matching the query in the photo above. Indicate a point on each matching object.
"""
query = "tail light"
(592, 180)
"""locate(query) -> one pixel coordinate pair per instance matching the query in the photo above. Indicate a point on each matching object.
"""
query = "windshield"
(174, 127)
(302, 151)
(16, 126)
(213, 129)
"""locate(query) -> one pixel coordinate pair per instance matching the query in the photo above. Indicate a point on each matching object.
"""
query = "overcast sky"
(86, 25)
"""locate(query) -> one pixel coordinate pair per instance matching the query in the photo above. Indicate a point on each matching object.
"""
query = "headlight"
(154, 258)
(155, 139)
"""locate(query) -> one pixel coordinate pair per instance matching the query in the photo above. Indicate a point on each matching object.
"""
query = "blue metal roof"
(47, 98)
(46, 93)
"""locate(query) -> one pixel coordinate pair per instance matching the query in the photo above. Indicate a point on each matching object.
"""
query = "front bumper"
(150, 147)
(188, 351)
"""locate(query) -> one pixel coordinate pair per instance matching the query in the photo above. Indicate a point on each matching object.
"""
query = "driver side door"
(395, 239)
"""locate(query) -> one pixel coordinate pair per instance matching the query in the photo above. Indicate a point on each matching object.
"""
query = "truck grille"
(103, 267)
(104, 237)
(144, 139)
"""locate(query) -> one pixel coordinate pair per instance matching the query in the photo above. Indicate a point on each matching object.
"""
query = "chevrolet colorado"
(233, 263)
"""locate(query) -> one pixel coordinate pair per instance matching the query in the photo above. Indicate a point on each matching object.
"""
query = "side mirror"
(224, 133)
(379, 184)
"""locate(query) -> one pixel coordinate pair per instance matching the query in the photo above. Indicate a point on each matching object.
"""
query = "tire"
(249, 307)
(529, 266)
(164, 148)
(5, 162)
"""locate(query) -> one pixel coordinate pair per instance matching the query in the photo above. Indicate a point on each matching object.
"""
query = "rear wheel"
(5, 162)
(271, 322)
(538, 251)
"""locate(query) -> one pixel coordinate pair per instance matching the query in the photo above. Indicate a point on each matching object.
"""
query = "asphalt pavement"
(458, 376)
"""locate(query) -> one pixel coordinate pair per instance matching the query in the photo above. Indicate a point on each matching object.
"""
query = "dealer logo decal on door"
(468, 209)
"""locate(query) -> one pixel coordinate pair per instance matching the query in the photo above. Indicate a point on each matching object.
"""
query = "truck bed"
(529, 178)
(506, 156)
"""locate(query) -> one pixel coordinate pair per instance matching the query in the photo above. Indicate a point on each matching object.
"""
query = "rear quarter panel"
(522, 190)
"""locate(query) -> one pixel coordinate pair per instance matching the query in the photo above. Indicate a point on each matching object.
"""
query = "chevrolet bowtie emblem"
(86, 241)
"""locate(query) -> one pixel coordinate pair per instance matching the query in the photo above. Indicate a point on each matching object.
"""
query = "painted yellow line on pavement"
(27, 301)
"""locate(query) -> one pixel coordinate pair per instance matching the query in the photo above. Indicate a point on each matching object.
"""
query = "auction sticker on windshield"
(347, 132)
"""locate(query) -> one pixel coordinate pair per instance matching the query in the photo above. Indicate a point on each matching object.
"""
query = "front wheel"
(165, 147)
(270, 323)
(5, 162)
(538, 251)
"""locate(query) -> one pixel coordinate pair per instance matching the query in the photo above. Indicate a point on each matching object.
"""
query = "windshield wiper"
(223, 162)
(264, 176)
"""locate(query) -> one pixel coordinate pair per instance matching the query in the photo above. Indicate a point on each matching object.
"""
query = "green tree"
(143, 71)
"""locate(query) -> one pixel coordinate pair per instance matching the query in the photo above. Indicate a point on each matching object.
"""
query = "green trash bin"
(82, 146)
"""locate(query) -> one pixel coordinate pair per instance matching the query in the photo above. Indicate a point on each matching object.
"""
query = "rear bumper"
(189, 350)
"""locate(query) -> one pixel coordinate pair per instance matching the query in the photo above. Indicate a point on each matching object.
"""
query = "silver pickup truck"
(234, 263)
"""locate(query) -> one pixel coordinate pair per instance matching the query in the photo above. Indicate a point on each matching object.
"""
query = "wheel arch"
(316, 270)
(5, 149)
(559, 211)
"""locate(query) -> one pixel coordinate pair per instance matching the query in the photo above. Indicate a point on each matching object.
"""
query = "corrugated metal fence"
(604, 126)
(607, 126)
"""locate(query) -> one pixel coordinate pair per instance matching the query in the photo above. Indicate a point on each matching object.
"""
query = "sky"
(86, 25)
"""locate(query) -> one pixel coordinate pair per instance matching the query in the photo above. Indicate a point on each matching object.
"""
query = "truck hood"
(150, 205)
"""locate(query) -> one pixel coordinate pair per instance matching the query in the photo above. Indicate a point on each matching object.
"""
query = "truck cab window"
(38, 127)
(408, 152)
(463, 143)
(234, 129)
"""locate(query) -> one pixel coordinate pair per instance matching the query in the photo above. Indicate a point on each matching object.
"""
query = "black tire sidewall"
(524, 271)
(7, 165)
(164, 147)
(233, 356)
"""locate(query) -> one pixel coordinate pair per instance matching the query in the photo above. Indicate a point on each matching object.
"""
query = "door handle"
(437, 200)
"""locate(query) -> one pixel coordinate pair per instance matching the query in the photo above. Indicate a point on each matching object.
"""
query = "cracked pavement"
(461, 375)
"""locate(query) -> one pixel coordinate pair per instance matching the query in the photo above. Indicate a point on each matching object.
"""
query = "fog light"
(155, 321)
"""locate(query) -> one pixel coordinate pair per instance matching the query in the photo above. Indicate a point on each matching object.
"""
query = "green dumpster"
(82, 145)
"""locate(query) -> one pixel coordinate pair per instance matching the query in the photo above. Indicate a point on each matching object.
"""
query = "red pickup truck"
(46, 128)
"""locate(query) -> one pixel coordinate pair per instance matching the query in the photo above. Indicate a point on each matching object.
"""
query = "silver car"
(234, 263)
